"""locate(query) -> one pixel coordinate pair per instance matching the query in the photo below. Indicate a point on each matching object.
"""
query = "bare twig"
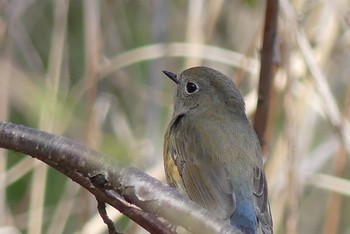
(267, 56)
(101, 207)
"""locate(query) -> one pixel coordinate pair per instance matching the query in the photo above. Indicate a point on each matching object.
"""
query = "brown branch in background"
(132, 192)
(269, 56)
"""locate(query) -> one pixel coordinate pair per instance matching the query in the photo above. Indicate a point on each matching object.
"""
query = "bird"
(211, 152)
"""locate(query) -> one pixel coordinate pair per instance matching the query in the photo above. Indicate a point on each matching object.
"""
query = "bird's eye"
(191, 87)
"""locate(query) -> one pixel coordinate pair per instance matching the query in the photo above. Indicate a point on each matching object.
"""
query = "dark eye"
(191, 87)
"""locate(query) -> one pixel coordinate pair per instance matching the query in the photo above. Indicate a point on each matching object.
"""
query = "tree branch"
(134, 193)
(269, 56)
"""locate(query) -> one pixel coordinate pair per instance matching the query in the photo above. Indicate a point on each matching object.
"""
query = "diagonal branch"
(134, 193)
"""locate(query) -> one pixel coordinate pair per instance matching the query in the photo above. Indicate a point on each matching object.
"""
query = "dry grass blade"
(47, 118)
(155, 51)
(330, 183)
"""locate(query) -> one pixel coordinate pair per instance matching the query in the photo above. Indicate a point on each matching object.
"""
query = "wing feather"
(262, 206)
(206, 182)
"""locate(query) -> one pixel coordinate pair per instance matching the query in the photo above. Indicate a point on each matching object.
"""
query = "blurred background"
(91, 70)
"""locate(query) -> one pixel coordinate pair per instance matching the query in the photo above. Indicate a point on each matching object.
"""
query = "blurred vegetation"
(91, 70)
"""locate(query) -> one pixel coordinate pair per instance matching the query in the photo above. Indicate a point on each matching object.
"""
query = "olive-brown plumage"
(211, 152)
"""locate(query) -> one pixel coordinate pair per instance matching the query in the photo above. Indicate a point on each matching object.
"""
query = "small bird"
(211, 152)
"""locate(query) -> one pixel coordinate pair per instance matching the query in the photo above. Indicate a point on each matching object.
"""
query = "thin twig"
(101, 207)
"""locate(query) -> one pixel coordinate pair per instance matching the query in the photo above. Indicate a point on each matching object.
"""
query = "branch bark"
(134, 193)
(269, 56)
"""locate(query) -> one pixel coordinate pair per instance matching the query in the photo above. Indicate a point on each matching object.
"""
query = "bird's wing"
(262, 206)
(192, 171)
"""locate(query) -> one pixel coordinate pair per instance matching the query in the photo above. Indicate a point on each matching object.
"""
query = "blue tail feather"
(244, 217)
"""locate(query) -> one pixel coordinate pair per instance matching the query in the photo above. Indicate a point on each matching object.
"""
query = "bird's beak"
(172, 76)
